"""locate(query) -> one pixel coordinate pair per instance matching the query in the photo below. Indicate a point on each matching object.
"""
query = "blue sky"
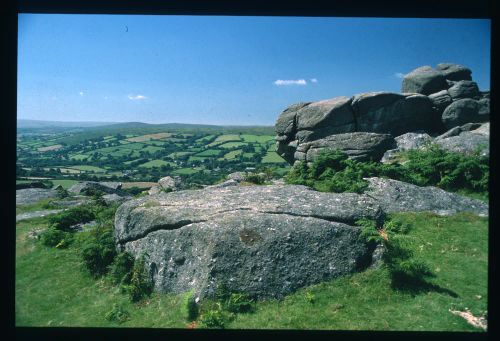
(224, 70)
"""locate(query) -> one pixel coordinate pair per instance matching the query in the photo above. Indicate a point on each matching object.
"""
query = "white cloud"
(399, 75)
(136, 97)
(81, 93)
(290, 82)
(314, 80)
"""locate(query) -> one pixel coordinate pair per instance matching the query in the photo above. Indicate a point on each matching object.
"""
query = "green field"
(79, 157)
(185, 171)
(272, 157)
(52, 289)
(209, 152)
(156, 163)
(89, 168)
(232, 154)
(256, 138)
(229, 145)
(64, 183)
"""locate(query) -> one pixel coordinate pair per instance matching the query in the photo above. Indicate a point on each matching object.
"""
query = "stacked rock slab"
(432, 101)
(266, 241)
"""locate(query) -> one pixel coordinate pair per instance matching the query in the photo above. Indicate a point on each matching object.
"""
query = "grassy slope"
(52, 289)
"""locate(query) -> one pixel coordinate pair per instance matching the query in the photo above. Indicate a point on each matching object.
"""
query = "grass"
(232, 154)
(79, 157)
(155, 163)
(272, 157)
(256, 138)
(53, 290)
(64, 183)
(185, 171)
(89, 168)
(209, 152)
(232, 144)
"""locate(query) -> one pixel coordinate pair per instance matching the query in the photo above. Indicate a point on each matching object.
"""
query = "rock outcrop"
(32, 195)
(266, 241)
(432, 101)
(105, 187)
(466, 141)
(398, 196)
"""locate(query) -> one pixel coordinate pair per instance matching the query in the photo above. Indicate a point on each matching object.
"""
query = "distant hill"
(33, 124)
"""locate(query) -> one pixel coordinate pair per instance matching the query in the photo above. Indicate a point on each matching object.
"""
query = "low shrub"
(190, 306)
(120, 270)
(117, 314)
(255, 179)
(239, 303)
(214, 318)
(404, 267)
(98, 251)
(141, 285)
(53, 237)
(333, 171)
(79, 214)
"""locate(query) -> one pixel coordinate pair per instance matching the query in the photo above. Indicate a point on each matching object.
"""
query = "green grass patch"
(52, 288)
(232, 145)
(156, 163)
(89, 168)
(79, 157)
(257, 138)
(209, 152)
(272, 157)
(232, 154)
(185, 171)
(65, 183)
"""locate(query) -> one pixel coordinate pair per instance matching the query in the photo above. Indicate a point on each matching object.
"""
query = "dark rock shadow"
(415, 287)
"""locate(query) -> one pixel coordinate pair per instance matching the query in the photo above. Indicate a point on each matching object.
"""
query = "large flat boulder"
(398, 196)
(464, 89)
(454, 72)
(466, 140)
(462, 111)
(32, 195)
(388, 113)
(104, 186)
(266, 241)
(358, 146)
(424, 80)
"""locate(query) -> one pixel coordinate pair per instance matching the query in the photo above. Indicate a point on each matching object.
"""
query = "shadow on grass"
(415, 286)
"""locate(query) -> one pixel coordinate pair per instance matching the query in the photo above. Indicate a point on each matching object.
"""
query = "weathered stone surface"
(115, 199)
(424, 80)
(227, 183)
(35, 214)
(32, 195)
(457, 130)
(266, 241)
(440, 100)
(464, 89)
(359, 146)
(484, 107)
(237, 176)
(398, 196)
(106, 187)
(73, 200)
(170, 183)
(319, 119)
(483, 129)
(404, 114)
(467, 142)
(462, 111)
(404, 142)
(154, 190)
(412, 140)
(286, 125)
(454, 72)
